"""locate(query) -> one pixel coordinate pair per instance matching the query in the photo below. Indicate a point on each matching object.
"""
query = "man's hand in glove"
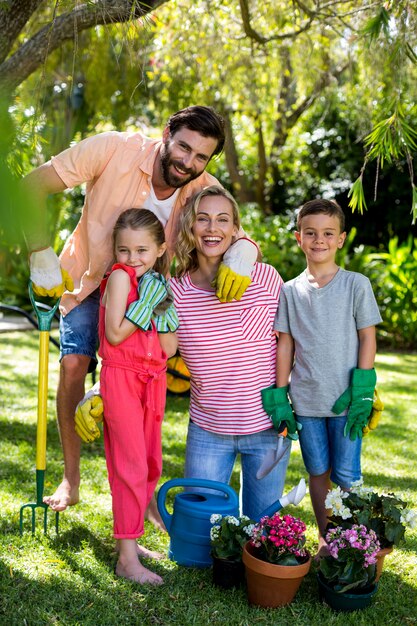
(47, 276)
(152, 291)
(88, 414)
(358, 399)
(276, 403)
(233, 275)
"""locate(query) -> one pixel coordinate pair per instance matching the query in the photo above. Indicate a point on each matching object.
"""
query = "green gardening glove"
(358, 399)
(152, 291)
(276, 403)
(167, 322)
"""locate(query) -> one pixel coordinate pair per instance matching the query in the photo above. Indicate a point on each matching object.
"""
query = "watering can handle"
(189, 482)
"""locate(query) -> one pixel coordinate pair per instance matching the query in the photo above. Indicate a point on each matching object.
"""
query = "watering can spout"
(292, 497)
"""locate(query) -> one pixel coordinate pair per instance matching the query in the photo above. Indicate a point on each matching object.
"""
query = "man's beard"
(169, 178)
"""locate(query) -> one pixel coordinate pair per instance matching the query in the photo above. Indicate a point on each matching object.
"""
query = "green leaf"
(414, 204)
(376, 24)
(357, 196)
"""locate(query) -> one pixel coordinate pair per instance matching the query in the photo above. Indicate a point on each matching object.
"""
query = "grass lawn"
(68, 579)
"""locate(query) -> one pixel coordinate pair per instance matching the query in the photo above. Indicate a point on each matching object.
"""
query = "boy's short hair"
(329, 207)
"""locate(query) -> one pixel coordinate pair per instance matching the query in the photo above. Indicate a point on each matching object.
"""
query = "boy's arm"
(285, 358)
(367, 348)
(275, 400)
(359, 396)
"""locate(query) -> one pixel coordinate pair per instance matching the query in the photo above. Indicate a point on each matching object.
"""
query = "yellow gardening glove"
(47, 276)
(234, 274)
(229, 285)
(375, 416)
(88, 414)
(57, 291)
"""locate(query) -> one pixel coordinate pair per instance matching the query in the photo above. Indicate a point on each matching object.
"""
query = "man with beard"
(121, 171)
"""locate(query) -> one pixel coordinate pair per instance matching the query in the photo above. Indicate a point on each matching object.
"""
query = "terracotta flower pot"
(346, 602)
(271, 585)
(228, 574)
(380, 561)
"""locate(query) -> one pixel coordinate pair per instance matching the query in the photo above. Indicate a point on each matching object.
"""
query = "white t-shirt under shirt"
(161, 208)
(324, 324)
(230, 350)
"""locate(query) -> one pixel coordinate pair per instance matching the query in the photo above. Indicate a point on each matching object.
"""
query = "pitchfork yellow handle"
(42, 400)
(44, 323)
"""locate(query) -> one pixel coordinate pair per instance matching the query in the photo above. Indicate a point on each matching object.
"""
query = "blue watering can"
(189, 524)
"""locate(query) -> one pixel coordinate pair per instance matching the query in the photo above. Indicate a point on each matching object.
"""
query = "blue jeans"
(78, 330)
(324, 447)
(212, 456)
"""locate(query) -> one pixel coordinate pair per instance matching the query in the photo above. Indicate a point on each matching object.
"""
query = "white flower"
(215, 518)
(357, 484)
(334, 500)
(233, 521)
(249, 529)
(344, 512)
(358, 488)
(409, 518)
(214, 532)
(244, 518)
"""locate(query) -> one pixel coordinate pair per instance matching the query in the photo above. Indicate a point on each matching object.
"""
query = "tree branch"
(34, 52)
(253, 34)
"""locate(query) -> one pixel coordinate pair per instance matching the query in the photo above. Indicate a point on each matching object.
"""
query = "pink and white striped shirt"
(230, 350)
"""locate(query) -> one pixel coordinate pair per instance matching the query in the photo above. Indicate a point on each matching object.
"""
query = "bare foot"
(138, 573)
(323, 549)
(143, 552)
(152, 515)
(64, 496)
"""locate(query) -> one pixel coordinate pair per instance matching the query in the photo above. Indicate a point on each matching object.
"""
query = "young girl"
(132, 378)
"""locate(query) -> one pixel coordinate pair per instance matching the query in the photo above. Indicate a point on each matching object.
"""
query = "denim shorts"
(212, 456)
(78, 330)
(324, 447)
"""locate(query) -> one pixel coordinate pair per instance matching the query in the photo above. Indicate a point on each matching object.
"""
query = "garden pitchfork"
(44, 325)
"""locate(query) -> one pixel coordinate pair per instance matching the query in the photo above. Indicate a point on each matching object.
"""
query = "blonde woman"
(230, 351)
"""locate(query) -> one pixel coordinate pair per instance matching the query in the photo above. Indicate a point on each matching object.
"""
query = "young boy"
(326, 322)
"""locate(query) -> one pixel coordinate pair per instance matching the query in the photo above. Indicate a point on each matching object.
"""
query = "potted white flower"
(228, 535)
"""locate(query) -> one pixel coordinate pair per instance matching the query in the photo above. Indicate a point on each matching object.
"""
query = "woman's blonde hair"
(185, 249)
(142, 219)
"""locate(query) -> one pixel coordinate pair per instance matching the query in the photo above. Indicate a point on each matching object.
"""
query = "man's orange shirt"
(117, 168)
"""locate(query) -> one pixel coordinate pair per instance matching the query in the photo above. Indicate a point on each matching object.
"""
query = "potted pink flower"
(347, 574)
(275, 560)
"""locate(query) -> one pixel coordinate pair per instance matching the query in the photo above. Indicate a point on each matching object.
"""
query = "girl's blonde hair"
(185, 249)
(142, 219)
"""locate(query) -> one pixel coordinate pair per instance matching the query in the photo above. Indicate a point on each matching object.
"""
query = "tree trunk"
(240, 187)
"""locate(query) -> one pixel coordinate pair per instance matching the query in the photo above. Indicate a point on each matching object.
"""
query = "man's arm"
(45, 269)
(38, 185)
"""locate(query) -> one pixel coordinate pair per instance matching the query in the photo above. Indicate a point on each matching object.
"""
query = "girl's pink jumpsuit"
(133, 388)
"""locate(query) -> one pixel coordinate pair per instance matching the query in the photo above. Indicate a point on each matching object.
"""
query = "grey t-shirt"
(324, 324)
